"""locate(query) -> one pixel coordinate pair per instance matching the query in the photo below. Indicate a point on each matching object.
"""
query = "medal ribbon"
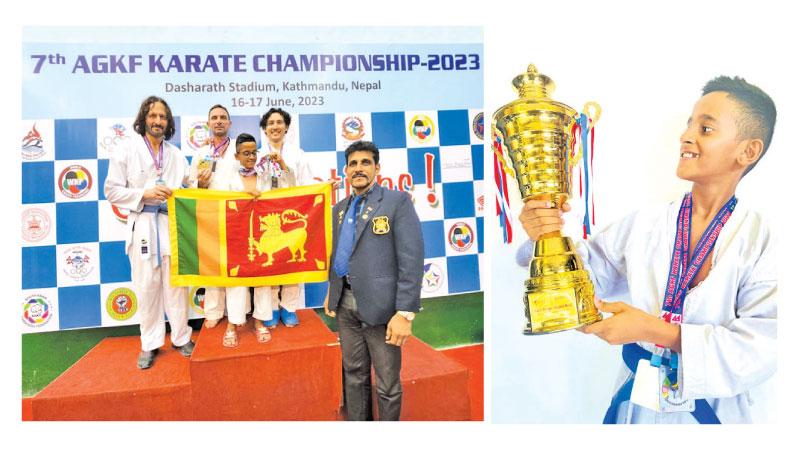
(159, 161)
(682, 269)
(276, 168)
(682, 272)
(262, 164)
(247, 172)
(218, 152)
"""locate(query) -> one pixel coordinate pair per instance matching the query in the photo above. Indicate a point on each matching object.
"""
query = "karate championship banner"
(230, 239)
(416, 92)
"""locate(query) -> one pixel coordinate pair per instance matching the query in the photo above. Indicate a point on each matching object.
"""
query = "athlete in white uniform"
(724, 334)
(282, 167)
(243, 177)
(209, 170)
(140, 178)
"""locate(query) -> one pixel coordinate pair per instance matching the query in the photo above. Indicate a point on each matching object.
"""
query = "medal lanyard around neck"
(247, 172)
(218, 151)
(262, 163)
(158, 162)
(683, 270)
(276, 168)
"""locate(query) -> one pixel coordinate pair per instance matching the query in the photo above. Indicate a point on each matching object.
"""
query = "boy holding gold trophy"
(699, 329)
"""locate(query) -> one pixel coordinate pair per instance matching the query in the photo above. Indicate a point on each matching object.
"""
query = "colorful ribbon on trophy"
(591, 162)
(584, 127)
(500, 177)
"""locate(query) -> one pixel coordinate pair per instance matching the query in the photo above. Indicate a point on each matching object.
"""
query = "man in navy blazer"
(375, 282)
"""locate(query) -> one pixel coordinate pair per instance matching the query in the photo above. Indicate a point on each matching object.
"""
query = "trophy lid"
(532, 84)
(534, 91)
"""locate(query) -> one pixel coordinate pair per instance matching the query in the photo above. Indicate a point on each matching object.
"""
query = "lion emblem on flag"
(273, 239)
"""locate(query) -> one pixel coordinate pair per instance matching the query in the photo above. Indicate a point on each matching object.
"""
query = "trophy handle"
(593, 112)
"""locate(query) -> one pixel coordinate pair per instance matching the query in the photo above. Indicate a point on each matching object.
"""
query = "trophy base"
(559, 302)
(552, 328)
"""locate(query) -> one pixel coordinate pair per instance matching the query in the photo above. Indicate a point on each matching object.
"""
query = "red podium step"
(106, 385)
(295, 376)
(471, 356)
(435, 387)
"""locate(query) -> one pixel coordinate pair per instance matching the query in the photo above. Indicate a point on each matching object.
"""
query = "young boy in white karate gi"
(245, 178)
(705, 331)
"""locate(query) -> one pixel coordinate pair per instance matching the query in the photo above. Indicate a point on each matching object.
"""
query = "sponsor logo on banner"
(480, 205)
(79, 263)
(120, 213)
(421, 128)
(35, 224)
(465, 163)
(121, 304)
(32, 145)
(113, 137)
(432, 278)
(198, 135)
(197, 299)
(75, 181)
(352, 128)
(477, 126)
(36, 311)
(461, 237)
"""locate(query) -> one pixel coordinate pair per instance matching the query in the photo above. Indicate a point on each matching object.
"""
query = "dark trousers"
(364, 346)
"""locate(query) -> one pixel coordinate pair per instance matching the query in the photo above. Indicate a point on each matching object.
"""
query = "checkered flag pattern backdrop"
(75, 273)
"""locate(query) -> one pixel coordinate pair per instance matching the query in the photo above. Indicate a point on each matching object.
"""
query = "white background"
(645, 64)
(646, 69)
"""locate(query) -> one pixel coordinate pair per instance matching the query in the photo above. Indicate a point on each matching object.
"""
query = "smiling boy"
(700, 275)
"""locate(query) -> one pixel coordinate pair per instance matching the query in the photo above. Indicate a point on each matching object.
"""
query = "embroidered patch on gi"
(380, 225)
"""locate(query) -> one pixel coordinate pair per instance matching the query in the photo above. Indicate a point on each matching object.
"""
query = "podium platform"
(435, 387)
(106, 385)
(296, 376)
(471, 357)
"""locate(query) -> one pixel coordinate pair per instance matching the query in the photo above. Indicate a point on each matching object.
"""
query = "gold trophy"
(537, 136)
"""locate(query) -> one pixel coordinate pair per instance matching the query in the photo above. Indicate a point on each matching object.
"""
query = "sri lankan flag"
(222, 238)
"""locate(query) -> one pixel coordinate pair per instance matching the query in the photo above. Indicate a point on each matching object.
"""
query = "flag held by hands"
(220, 238)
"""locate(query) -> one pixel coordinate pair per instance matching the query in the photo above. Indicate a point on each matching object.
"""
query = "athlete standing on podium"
(141, 176)
(209, 170)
